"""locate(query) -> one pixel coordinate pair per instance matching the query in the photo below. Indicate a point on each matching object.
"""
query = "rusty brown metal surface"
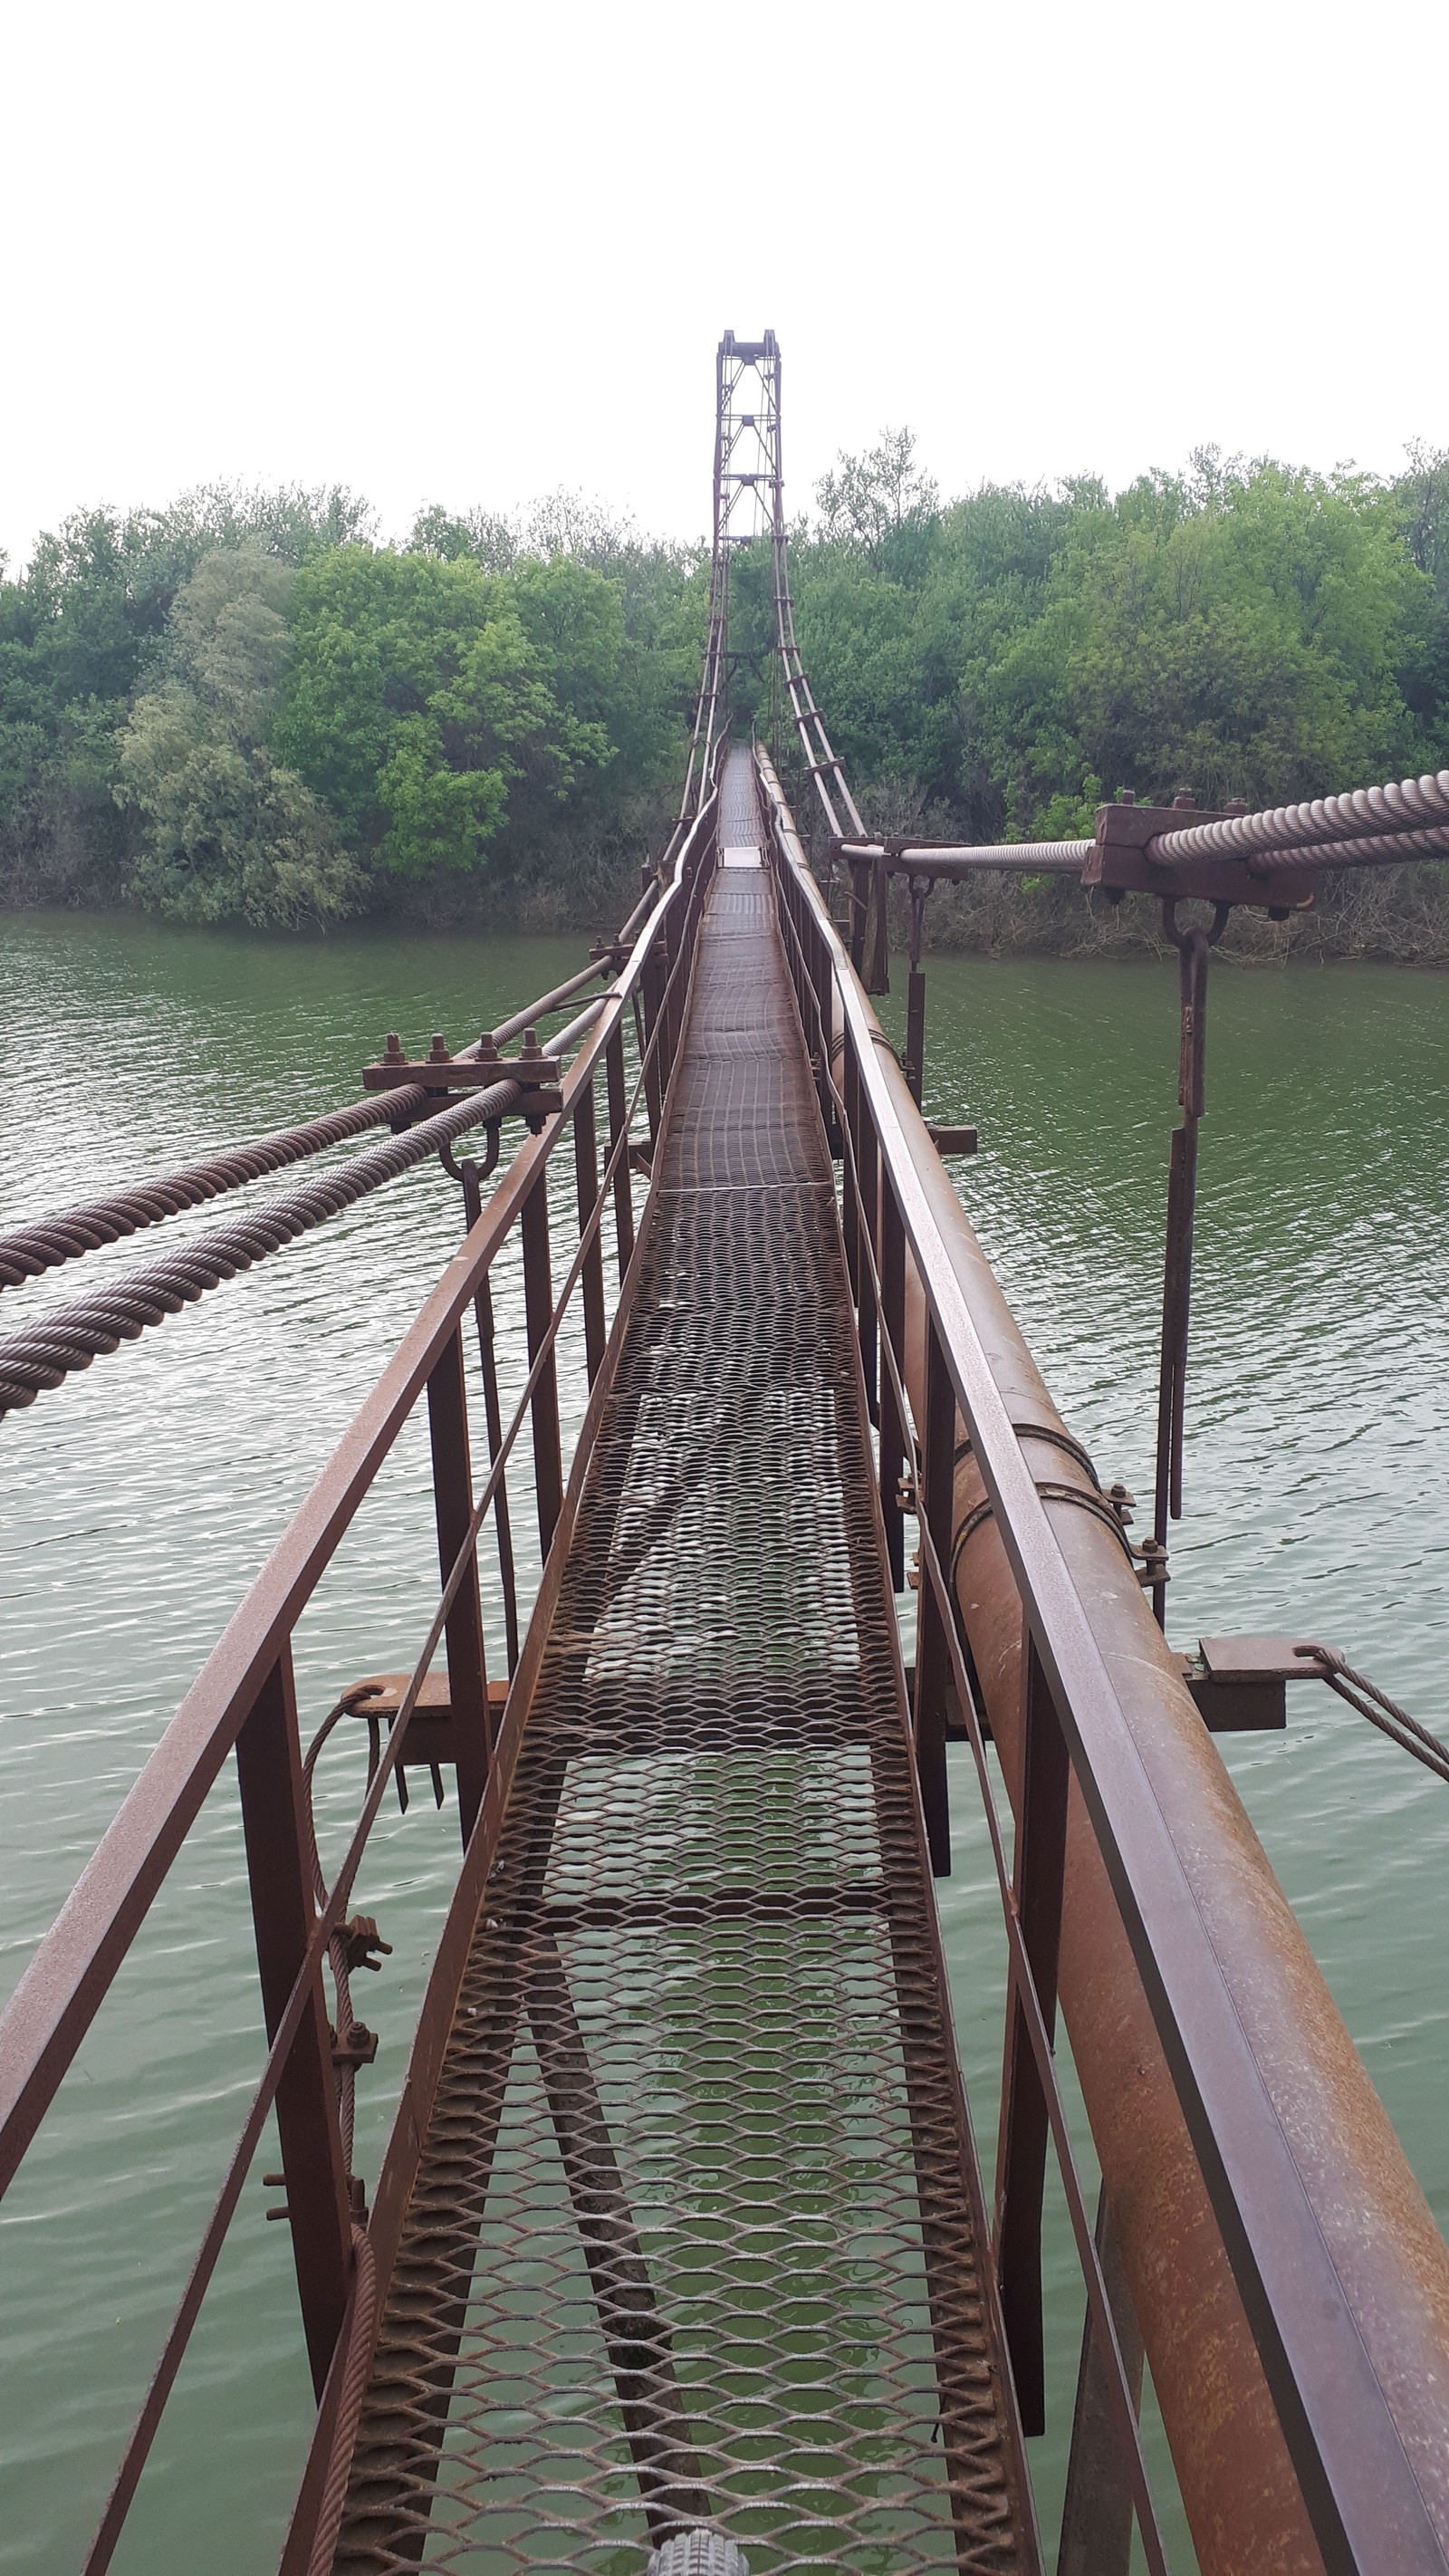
(279, 1868)
(453, 1489)
(700, 2058)
(1274, 2234)
(1041, 1833)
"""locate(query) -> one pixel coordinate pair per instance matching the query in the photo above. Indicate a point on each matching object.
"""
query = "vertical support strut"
(652, 983)
(1192, 958)
(538, 1312)
(1097, 2512)
(915, 1062)
(618, 1121)
(893, 1430)
(586, 1170)
(867, 1165)
(493, 1419)
(1037, 1874)
(453, 1508)
(279, 1867)
(933, 1661)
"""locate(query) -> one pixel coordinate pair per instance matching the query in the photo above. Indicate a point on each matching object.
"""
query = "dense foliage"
(245, 707)
(1242, 630)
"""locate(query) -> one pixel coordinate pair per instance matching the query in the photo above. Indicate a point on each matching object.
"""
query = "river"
(143, 1497)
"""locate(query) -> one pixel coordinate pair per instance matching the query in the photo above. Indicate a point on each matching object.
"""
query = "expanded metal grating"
(694, 2243)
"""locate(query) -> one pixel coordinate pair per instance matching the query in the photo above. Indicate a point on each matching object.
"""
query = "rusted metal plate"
(1121, 858)
(1239, 1683)
(430, 1736)
(460, 1073)
(1255, 1659)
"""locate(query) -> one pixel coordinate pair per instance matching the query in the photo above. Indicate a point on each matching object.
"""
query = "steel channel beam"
(586, 1173)
(453, 1509)
(493, 1422)
(933, 1662)
(1037, 1879)
(279, 1866)
(618, 1121)
(1343, 2277)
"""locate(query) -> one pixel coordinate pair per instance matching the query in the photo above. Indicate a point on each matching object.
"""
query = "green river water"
(141, 1500)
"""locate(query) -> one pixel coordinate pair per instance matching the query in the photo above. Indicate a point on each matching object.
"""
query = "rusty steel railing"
(1277, 2115)
(244, 1697)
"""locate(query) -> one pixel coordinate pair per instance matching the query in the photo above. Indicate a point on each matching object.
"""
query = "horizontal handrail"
(66, 1980)
(1366, 2505)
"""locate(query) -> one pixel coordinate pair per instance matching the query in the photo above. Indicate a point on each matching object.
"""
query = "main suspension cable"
(30, 1249)
(49, 1351)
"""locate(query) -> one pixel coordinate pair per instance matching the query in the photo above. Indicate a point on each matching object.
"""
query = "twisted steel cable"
(47, 1353)
(1379, 847)
(1367, 1700)
(1362, 813)
(29, 1249)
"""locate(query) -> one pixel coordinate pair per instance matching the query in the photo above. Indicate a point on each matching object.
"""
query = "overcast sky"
(472, 253)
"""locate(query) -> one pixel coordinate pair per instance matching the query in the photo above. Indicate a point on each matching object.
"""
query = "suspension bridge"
(681, 2258)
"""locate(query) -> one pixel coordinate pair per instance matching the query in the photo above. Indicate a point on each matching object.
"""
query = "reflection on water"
(143, 1497)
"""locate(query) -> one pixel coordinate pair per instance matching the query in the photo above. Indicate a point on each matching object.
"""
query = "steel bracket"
(1121, 861)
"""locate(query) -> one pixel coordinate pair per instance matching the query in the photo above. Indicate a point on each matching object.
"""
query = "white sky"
(470, 253)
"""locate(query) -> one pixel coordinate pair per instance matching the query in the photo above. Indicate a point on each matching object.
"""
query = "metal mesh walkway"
(694, 2236)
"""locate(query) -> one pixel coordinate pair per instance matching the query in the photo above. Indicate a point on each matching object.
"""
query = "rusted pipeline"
(961, 859)
(1361, 814)
(1239, 2489)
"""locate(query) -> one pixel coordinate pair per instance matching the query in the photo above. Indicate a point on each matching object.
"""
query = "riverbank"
(1377, 916)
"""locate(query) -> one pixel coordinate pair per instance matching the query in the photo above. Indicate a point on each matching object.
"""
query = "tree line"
(245, 707)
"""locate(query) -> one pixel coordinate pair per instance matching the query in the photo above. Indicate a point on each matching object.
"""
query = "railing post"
(1037, 1873)
(858, 884)
(673, 995)
(933, 1660)
(618, 1121)
(538, 1312)
(651, 985)
(893, 1332)
(453, 1508)
(493, 1418)
(915, 1032)
(279, 1868)
(586, 1170)
(1097, 2511)
(823, 978)
(867, 1164)
(849, 1194)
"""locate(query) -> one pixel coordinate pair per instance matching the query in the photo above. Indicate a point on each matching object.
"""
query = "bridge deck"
(694, 2235)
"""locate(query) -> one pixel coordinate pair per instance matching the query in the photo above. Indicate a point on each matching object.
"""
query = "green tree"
(224, 831)
(416, 705)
